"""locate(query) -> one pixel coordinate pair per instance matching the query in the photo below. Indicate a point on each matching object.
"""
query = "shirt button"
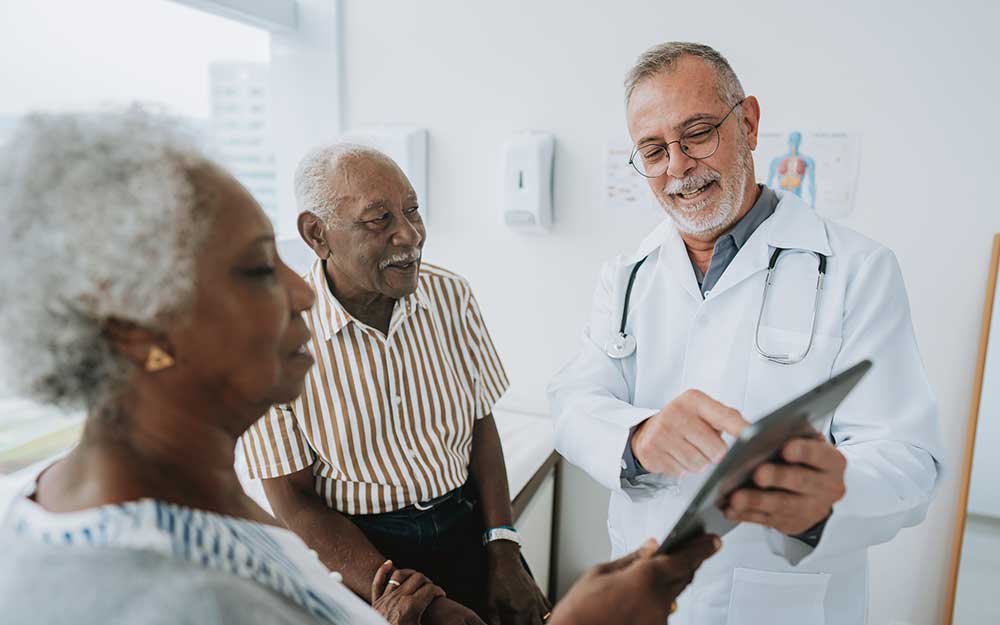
(337, 577)
(397, 400)
(623, 464)
(412, 453)
(707, 293)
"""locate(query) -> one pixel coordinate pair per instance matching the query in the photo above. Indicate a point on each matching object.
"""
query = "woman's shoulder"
(112, 585)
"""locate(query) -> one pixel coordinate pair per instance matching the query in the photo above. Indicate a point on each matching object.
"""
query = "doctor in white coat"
(649, 423)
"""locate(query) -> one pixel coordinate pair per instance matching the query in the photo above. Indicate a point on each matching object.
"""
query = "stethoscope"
(623, 345)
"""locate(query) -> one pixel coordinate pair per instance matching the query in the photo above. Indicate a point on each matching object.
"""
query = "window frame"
(306, 61)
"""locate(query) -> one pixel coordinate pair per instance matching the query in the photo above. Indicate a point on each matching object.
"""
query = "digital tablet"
(760, 442)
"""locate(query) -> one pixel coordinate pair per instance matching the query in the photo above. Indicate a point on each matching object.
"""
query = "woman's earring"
(158, 360)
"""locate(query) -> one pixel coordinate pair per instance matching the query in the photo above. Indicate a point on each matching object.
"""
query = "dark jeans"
(444, 543)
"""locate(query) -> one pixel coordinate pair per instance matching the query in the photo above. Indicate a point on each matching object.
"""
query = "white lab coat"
(887, 428)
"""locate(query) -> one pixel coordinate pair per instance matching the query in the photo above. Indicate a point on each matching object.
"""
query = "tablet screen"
(759, 442)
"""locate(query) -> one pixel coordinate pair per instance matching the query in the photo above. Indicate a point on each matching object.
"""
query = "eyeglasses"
(698, 142)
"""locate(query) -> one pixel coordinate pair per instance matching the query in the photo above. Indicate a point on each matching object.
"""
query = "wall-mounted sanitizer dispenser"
(526, 181)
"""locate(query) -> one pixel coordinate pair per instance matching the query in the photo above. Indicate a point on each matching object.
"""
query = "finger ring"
(673, 607)
(546, 617)
(393, 582)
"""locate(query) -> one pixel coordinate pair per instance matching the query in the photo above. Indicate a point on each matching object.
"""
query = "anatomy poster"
(819, 167)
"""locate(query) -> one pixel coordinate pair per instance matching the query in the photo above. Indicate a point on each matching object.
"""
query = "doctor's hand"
(686, 436)
(794, 497)
(639, 589)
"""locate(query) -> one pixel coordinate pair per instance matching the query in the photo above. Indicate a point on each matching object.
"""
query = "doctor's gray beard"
(703, 221)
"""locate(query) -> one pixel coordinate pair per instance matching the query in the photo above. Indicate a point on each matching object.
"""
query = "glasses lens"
(700, 140)
(651, 161)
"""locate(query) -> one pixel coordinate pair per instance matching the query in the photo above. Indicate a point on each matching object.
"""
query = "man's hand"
(444, 611)
(686, 435)
(402, 596)
(796, 496)
(513, 598)
(639, 589)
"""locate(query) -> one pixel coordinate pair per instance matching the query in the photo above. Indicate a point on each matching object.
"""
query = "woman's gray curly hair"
(101, 218)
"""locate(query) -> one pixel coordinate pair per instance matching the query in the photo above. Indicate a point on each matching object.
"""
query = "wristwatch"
(503, 532)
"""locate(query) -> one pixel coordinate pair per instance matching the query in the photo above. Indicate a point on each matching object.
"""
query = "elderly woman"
(140, 282)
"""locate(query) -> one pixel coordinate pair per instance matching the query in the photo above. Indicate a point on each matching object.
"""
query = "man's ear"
(135, 342)
(313, 232)
(751, 120)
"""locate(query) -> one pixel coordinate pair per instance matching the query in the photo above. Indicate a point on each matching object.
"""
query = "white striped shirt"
(386, 421)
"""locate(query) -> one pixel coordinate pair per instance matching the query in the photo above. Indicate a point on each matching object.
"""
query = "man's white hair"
(312, 176)
(101, 219)
(662, 57)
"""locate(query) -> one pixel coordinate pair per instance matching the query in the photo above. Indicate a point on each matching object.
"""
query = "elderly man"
(747, 296)
(392, 451)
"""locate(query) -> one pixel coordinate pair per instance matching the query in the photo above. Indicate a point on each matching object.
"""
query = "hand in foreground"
(685, 437)
(639, 589)
(402, 596)
(444, 611)
(796, 496)
(513, 597)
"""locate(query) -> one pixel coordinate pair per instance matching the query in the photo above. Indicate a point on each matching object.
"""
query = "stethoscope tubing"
(623, 345)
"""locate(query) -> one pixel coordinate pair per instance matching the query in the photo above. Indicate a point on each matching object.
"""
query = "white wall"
(919, 83)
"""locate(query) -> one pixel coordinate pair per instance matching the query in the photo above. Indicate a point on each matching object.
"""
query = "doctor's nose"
(680, 164)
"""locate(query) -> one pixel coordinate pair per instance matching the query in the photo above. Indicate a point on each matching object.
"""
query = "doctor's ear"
(750, 123)
(312, 229)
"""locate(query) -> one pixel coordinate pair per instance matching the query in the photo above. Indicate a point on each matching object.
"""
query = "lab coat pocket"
(771, 385)
(772, 598)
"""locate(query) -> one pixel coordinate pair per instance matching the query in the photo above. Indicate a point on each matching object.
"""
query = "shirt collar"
(797, 226)
(763, 208)
(332, 315)
(329, 312)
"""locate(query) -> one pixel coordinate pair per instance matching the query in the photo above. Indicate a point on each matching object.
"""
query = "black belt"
(424, 506)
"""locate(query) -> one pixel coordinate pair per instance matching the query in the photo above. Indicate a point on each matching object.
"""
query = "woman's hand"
(639, 589)
(401, 596)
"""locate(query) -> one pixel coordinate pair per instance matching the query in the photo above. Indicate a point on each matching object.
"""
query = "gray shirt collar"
(763, 208)
(729, 244)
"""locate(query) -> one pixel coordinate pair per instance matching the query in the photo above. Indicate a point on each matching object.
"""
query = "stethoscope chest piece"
(621, 346)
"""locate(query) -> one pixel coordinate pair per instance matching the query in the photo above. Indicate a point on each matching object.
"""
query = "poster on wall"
(821, 167)
(624, 188)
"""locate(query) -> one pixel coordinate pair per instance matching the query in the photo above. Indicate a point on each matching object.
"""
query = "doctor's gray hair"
(661, 58)
(102, 215)
(312, 176)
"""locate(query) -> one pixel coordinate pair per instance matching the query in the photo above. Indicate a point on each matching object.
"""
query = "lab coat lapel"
(677, 261)
(794, 225)
(673, 253)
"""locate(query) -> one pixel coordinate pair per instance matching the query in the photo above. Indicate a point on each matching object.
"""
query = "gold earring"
(158, 360)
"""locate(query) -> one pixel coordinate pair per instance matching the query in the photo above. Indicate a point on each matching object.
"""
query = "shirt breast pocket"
(771, 384)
